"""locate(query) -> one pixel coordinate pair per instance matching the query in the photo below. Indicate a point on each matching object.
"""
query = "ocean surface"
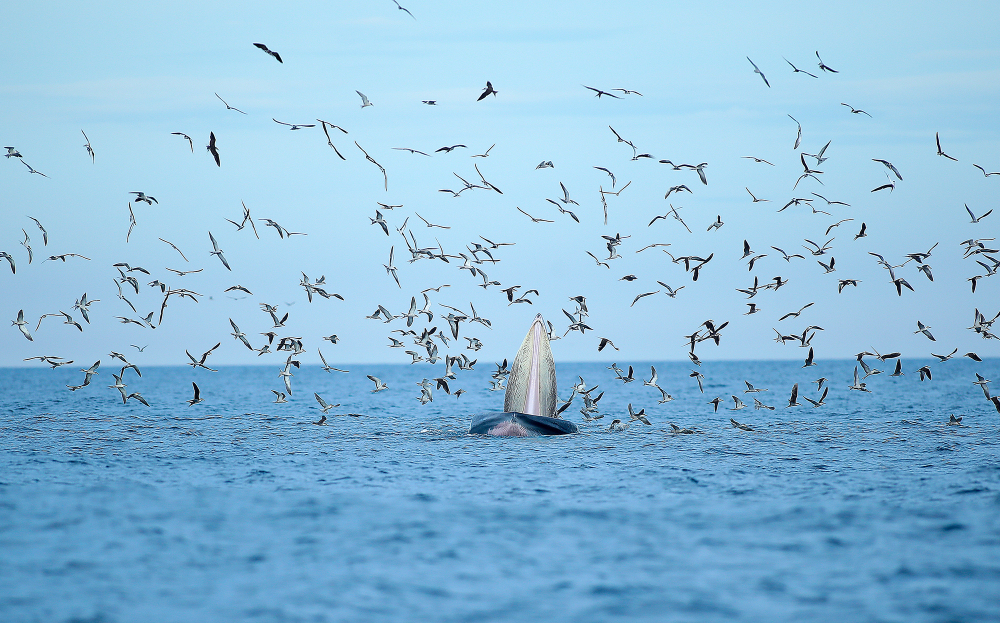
(869, 508)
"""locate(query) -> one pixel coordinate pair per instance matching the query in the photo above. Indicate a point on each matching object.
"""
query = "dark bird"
(487, 91)
(854, 110)
(274, 54)
(212, 148)
(937, 139)
(600, 92)
(605, 342)
(797, 70)
(825, 67)
(197, 395)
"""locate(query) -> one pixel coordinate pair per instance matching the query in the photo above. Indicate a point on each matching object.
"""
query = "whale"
(529, 406)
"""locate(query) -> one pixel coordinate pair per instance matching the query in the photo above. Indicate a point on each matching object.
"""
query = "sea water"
(869, 508)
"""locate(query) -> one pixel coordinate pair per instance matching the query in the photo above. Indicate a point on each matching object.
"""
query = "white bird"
(21, 323)
(323, 405)
(379, 385)
(922, 328)
(364, 99)
(217, 251)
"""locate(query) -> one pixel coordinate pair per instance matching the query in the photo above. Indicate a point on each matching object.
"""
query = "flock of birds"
(425, 344)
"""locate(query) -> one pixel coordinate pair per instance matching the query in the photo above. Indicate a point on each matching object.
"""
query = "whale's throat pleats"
(531, 385)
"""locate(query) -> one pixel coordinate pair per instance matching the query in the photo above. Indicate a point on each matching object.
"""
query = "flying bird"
(217, 251)
(757, 70)
(937, 139)
(825, 67)
(228, 107)
(272, 53)
(295, 126)
(190, 142)
(213, 149)
(854, 110)
(401, 8)
(90, 150)
(487, 91)
(600, 92)
(797, 70)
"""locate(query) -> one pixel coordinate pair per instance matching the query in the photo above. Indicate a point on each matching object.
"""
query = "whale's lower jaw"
(510, 424)
(509, 428)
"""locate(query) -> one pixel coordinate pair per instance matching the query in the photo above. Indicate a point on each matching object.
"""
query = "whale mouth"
(509, 428)
(531, 385)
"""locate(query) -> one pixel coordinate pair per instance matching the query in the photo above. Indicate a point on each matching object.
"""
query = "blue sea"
(869, 508)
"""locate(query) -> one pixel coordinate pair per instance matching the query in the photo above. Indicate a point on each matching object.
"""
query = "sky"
(130, 74)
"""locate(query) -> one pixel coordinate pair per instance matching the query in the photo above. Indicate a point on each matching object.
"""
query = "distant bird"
(545, 164)
(31, 170)
(793, 400)
(757, 70)
(604, 342)
(141, 196)
(21, 324)
(925, 372)
(200, 363)
(447, 149)
(854, 110)
(798, 137)
(976, 219)
(197, 396)
(217, 251)
(542, 220)
(12, 153)
(889, 166)
(323, 405)
(274, 54)
(984, 171)
(797, 70)
(486, 154)
(600, 92)
(213, 149)
(401, 8)
(821, 401)
(862, 233)
(943, 358)
(379, 385)
(937, 139)
(823, 66)
(295, 126)
(488, 90)
(90, 150)
(190, 142)
(228, 107)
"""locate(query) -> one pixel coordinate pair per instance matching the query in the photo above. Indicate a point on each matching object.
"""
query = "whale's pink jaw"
(509, 429)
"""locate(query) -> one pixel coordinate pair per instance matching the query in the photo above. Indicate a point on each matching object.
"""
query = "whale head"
(531, 386)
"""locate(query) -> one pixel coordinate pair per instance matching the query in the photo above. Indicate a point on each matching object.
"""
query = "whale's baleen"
(530, 402)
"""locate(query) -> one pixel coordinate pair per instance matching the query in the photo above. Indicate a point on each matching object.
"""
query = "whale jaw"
(531, 386)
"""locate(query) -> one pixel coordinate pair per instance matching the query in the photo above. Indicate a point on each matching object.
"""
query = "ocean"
(868, 508)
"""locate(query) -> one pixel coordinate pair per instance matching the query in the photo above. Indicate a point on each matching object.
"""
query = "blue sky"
(129, 75)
